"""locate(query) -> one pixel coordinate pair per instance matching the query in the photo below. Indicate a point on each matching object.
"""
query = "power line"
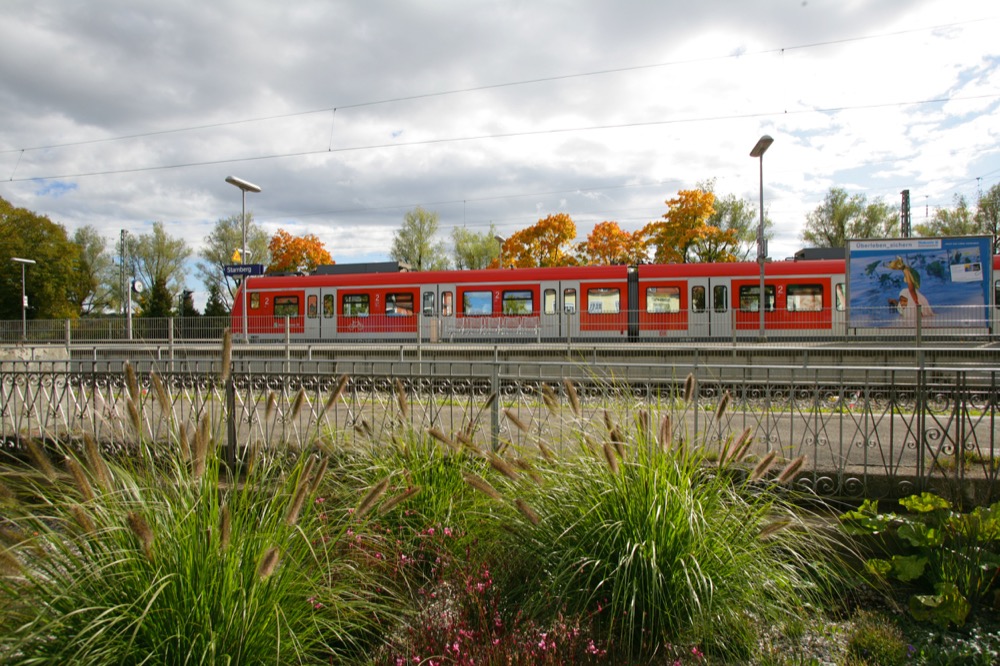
(495, 86)
(501, 135)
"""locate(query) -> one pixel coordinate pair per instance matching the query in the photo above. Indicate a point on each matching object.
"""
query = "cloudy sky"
(118, 113)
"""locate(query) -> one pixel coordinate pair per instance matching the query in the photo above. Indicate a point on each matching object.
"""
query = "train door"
(437, 308)
(320, 314)
(709, 313)
(551, 318)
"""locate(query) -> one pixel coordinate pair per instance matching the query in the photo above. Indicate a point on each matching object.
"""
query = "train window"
(477, 303)
(804, 298)
(355, 305)
(569, 301)
(399, 305)
(549, 305)
(312, 306)
(996, 293)
(841, 301)
(698, 299)
(603, 301)
(519, 302)
(720, 298)
(255, 300)
(749, 300)
(447, 307)
(328, 305)
(429, 303)
(660, 300)
(286, 306)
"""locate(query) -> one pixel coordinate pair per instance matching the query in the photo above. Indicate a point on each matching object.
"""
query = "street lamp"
(501, 240)
(763, 143)
(244, 188)
(24, 298)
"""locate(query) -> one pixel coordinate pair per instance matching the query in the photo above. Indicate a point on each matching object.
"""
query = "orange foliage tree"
(545, 243)
(609, 244)
(685, 230)
(290, 253)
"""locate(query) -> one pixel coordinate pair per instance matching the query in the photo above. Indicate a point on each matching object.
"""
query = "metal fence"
(956, 323)
(863, 432)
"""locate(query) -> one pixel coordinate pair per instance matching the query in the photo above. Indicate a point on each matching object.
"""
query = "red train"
(684, 301)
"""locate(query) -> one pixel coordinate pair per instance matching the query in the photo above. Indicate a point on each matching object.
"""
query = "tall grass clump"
(662, 547)
(160, 558)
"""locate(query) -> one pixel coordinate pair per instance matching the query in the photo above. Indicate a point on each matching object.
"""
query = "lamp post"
(501, 240)
(763, 143)
(244, 188)
(24, 298)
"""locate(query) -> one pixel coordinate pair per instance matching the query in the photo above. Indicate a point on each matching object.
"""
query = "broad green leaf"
(947, 606)
(879, 567)
(908, 567)
(924, 503)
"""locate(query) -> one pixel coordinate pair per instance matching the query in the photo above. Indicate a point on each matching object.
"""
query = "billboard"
(948, 278)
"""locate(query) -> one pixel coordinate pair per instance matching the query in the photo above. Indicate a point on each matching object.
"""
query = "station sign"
(241, 270)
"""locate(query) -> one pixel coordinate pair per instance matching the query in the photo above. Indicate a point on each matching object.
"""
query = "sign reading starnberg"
(240, 270)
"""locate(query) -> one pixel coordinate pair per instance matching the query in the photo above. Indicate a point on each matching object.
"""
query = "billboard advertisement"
(948, 278)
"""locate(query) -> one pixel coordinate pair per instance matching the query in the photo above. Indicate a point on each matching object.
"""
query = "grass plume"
(574, 397)
(480, 484)
(140, 528)
(513, 418)
(41, 460)
(371, 497)
(338, 391)
(401, 400)
(95, 461)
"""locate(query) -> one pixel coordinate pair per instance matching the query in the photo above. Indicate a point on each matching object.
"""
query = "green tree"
(159, 258)
(226, 237)
(988, 215)
(475, 250)
(93, 288)
(156, 301)
(842, 217)
(739, 216)
(414, 243)
(958, 221)
(49, 281)
(215, 306)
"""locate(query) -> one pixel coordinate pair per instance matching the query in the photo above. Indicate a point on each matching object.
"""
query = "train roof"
(441, 277)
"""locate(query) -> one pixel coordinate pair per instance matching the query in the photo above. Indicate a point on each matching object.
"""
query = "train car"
(712, 301)
(802, 299)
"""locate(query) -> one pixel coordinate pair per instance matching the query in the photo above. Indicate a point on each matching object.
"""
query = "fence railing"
(862, 431)
(879, 324)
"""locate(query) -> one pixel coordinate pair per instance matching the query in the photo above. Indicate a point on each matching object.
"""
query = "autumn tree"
(474, 250)
(842, 217)
(292, 254)
(545, 243)
(685, 227)
(415, 242)
(609, 244)
(217, 253)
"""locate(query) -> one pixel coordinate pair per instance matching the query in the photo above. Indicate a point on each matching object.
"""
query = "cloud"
(348, 114)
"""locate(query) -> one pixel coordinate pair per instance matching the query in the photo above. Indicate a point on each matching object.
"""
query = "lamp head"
(763, 143)
(242, 184)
